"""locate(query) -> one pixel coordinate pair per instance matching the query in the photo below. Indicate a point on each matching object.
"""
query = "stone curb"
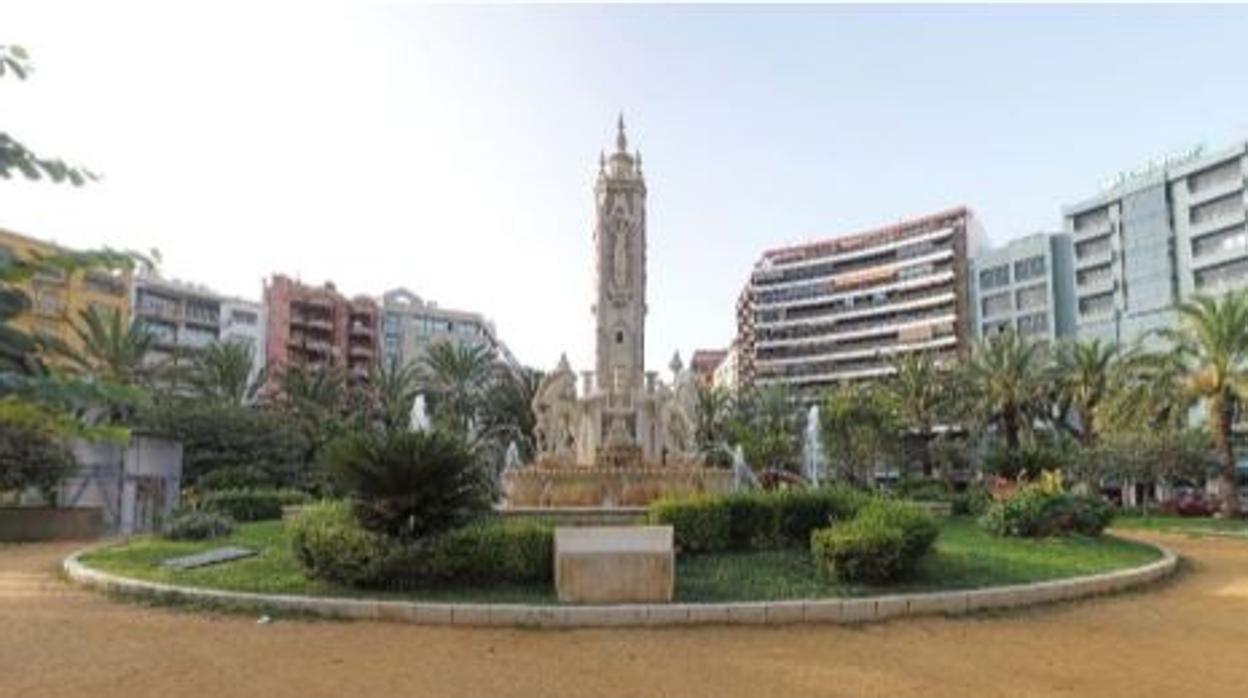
(842, 611)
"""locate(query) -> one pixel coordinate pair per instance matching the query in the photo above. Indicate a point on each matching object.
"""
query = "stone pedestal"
(624, 564)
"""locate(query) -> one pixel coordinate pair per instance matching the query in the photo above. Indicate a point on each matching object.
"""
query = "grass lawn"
(1180, 524)
(965, 557)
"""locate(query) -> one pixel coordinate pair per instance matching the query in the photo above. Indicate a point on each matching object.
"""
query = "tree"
(766, 426)
(222, 372)
(317, 400)
(457, 375)
(1003, 385)
(15, 61)
(920, 392)
(859, 424)
(506, 413)
(394, 387)
(32, 456)
(113, 350)
(712, 416)
(1083, 373)
(1212, 342)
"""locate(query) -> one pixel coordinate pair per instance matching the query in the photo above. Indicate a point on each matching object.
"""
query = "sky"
(452, 150)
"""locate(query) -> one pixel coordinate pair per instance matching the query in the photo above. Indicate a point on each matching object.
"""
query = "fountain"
(626, 437)
(813, 465)
(742, 476)
(420, 417)
(511, 459)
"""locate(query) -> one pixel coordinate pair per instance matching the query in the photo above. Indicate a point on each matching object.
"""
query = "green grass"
(1179, 524)
(965, 557)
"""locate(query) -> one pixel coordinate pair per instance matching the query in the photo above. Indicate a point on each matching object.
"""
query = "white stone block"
(615, 564)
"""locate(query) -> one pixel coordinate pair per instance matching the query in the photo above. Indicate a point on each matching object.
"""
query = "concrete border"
(840, 610)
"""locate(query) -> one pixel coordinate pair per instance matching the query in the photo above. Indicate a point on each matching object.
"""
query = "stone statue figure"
(554, 406)
(620, 258)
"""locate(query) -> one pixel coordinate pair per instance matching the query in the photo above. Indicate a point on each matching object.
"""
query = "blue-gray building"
(1026, 286)
(1155, 237)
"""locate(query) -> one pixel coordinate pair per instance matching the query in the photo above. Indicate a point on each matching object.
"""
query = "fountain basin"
(574, 486)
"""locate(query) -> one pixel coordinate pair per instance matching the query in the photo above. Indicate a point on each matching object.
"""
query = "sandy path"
(57, 640)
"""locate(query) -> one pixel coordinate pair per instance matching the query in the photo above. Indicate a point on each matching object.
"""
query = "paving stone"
(783, 612)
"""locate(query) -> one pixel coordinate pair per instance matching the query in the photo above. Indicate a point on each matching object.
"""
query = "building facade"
(704, 363)
(840, 309)
(181, 317)
(727, 374)
(319, 327)
(1027, 286)
(245, 322)
(58, 298)
(410, 325)
(1157, 237)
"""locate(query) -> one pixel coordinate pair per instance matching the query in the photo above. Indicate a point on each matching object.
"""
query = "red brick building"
(318, 326)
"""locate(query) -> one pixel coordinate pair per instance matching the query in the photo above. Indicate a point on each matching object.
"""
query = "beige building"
(410, 325)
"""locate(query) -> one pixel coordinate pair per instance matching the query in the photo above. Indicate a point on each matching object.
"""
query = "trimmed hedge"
(251, 505)
(754, 520)
(1034, 513)
(197, 525)
(330, 544)
(884, 542)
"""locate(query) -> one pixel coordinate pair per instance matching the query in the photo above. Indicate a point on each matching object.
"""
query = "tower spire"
(621, 143)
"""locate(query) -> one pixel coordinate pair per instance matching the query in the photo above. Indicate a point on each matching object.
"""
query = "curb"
(841, 611)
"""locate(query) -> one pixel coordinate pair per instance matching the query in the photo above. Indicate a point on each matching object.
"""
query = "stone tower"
(620, 272)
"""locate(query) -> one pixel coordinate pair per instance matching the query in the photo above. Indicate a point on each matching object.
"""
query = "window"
(1223, 276)
(104, 284)
(1222, 241)
(998, 327)
(1030, 268)
(994, 277)
(1101, 304)
(1033, 297)
(243, 317)
(1092, 248)
(996, 305)
(390, 322)
(1092, 220)
(1213, 176)
(1094, 275)
(1035, 323)
(1219, 208)
(619, 336)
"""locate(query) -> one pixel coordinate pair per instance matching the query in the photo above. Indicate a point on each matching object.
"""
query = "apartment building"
(410, 325)
(59, 298)
(1155, 237)
(1026, 286)
(318, 326)
(703, 364)
(841, 308)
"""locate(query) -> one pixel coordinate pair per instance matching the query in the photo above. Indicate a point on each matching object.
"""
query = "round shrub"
(918, 528)
(924, 490)
(410, 485)
(245, 505)
(330, 544)
(32, 457)
(197, 525)
(490, 552)
(700, 524)
(974, 501)
(1034, 513)
(860, 551)
(240, 477)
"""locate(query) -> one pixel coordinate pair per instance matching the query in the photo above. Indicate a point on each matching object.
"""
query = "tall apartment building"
(184, 318)
(410, 325)
(1156, 237)
(318, 326)
(1026, 286)
(840, 309)
(58, 298)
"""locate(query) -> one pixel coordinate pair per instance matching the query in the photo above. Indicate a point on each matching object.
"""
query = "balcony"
(1094, 256)
(1093, 229)
(1095, 284)
(1217, 222)
(310, 345)
(313, 322)
(360, 351)
(361, 329)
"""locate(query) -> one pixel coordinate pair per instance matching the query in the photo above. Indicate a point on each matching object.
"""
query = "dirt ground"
(1186, 637)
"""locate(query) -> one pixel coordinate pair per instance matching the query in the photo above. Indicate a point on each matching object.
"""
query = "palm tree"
(112, 349)
(919, 391)
(1212, 342)
(457, 375)
(1083, 372)
(1003, 379)
(712, 413)
(222, 372)
(316, 399)
(1145, 394)
(506, 412)
(395, 387)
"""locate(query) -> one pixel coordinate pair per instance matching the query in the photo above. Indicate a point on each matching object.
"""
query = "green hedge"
(251, 505)
(330, 544)
(754, 520)
(883, 543)
(1034, 513)
(197, 525)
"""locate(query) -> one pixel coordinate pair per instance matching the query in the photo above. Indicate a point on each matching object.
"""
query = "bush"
(32, 457)
(491, 551)
(197, 525)
(410, 485)
(246, 505)
(884, 542)
(861, 550)
(242, 477)
(700, 524)
(1028, 461)
(331, 545)
(924, 490)
(972, 502)
(754, 520)
(1033, 513)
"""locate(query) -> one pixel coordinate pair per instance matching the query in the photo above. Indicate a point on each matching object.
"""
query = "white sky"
(453, 151)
